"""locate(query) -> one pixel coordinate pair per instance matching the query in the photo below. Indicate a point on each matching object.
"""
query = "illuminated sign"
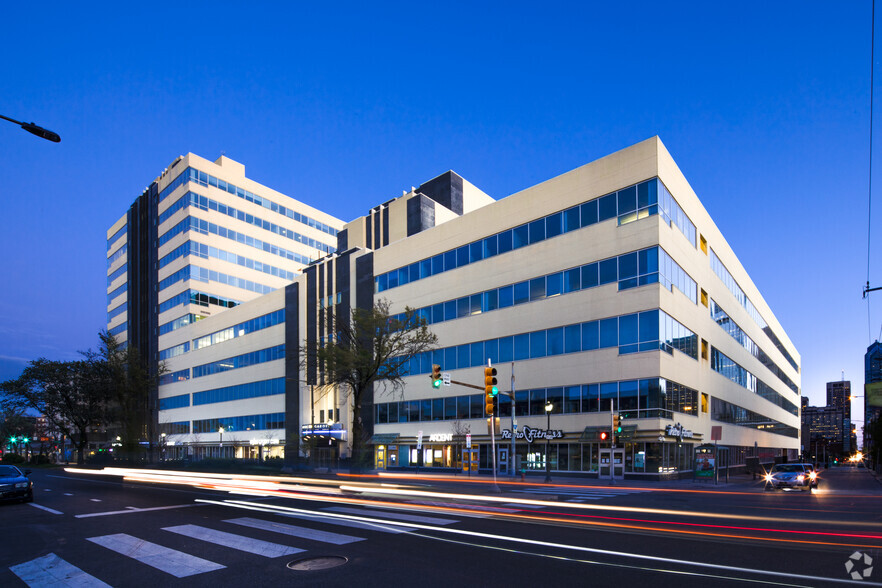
(440, 437)
(873, 392)
(678, 431)
(529, 434)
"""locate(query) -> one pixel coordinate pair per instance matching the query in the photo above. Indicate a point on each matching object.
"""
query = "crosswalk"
(579, 494)
(289, 539)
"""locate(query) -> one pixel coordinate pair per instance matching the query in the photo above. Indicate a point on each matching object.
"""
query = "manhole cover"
(324, 562)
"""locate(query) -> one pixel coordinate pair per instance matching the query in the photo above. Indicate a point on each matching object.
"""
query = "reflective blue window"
(490, 248)
(589, 275)
(522, 346)
(537, 231)
(572, 281)
(476, 251)
(521, 292)
(590, 336)
(608, 271)
(588, 213)
(571, 219)
(609, 332)
(450, 359)
(553, 284)
(477, 353)
(462, 256)
(425, 268)
(537, 288)
(506, 296)
(606, 207)
(627, 200)
(553, 225)
(555, 341)
(491, 300)
(449, 260)
(450, 310)
(491, 350)
(504, 241)
(538, 344)
(520, 237)
(573, 338)
(506, 349)
(463, 307)
(463, 356)
(437, 264)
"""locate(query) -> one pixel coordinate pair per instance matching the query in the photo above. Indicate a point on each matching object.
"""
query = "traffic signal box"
(436, 375)
(490, 389)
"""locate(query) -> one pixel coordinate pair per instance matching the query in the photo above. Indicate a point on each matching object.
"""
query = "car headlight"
(768, 477)
(800, 477)
(21, 485)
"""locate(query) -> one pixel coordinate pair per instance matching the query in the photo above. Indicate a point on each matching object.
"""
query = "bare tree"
(369, 347)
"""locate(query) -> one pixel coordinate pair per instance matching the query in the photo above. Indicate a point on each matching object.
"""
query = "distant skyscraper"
(839, 399)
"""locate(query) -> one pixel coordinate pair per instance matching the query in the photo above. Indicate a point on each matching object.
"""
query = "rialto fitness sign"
(530, 434)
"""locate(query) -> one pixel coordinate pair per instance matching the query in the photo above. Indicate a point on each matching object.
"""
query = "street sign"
(716, 432)
(419, 439)
(468, 441)
(445, 378)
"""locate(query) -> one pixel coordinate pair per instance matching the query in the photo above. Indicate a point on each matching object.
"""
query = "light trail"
(534, 542)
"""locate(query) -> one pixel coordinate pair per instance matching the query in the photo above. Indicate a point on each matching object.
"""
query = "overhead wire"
(870, 183)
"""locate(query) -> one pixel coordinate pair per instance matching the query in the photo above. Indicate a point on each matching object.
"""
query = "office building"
(872, 390)
(839, 398)
(607, 288)
(201, 239)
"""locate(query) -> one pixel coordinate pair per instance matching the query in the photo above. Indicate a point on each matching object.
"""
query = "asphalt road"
(93, 530)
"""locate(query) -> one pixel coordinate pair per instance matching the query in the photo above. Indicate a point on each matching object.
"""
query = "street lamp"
(548, 407)
(35, 130)
(220, 431)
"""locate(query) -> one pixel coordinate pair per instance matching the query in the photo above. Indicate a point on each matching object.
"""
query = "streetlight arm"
(35, 130)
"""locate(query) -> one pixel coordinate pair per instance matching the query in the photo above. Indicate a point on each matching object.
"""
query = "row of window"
(180, 376)
(649, 398)
(174, 351)
(728, 325)
(117, 292)
(204, 179)
(240, 361)
(198, 298)
(742, 299)
(206, 251)
(117, 311)
(249, 326)
(724, 366)
(644, 331)
(205, 203)
(120, 232)
(178, 428)
(119, 329)
(179, 322)
(625, 202)
(116, 273)
(171, 402)
(726, 412)
(254, 422)
(201, 274)
(119, 253)
(630, 270)
(240, 392)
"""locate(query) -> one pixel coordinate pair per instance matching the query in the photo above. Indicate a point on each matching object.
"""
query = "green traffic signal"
(436, 383)
(494, 391)
(12, 439)
(24, 439)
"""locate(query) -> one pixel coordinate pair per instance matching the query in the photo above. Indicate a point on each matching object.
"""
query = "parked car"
(15, 484)
(791, 475)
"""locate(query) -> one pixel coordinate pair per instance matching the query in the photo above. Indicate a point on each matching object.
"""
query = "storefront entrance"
(612, 464)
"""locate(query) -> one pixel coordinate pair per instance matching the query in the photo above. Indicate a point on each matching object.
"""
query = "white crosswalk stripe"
(255, 546)
(50, 571)
(176, 563)
(294, 531)
(347, 522)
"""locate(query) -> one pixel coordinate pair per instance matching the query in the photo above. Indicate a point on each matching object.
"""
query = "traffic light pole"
(612, 445)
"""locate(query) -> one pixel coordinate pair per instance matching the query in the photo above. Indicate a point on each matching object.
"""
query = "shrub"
(12, 458)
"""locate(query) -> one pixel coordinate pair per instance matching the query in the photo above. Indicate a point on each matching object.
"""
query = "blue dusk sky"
(765, 106)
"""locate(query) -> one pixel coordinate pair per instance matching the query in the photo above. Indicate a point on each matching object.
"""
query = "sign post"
(419, 449)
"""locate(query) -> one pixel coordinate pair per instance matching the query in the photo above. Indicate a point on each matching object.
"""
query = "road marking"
(47, 490)
(294, 531)
(627, 555)
(394, 515)
(68, 494)
(50, 570)
(329, 519)
(130, 509)
(46, 508)
(255, 546)
(95, 499)
(176, 563)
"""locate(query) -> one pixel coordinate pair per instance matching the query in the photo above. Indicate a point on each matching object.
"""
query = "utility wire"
(870, 188)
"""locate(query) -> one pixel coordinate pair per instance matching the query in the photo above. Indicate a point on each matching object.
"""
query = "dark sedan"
(15, 485)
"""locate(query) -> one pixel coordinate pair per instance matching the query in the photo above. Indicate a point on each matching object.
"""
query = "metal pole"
(493, 441)
(513, 422)
(612, 446)
(547, 462)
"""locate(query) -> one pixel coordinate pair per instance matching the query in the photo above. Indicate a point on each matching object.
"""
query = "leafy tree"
(72, 395)
(370, 347)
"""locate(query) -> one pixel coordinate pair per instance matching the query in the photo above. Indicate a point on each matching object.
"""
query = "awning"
(593, 433)
(383, 439)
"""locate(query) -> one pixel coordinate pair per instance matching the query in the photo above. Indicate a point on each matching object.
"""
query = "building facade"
(606, 290)
(872, 391)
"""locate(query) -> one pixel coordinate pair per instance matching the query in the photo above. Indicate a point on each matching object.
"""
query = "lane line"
(46, 508)
(507, 538)
(50, 571)
(170, 561)
(295, 531)
(130, 510)
(247, 544)
(394, 515)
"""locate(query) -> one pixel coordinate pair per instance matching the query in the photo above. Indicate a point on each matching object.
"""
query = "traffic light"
(604, 435)
(490, 389)
(617, 424)
(436, 375)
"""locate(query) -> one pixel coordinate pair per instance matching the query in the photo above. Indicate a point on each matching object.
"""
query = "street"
(87, 529)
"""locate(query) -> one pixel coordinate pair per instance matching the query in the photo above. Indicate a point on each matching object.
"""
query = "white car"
(791, 475)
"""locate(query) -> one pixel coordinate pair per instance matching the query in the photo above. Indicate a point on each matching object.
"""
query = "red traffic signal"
(604, 435)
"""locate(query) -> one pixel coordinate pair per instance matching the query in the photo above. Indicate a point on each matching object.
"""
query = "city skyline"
(770, 128)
